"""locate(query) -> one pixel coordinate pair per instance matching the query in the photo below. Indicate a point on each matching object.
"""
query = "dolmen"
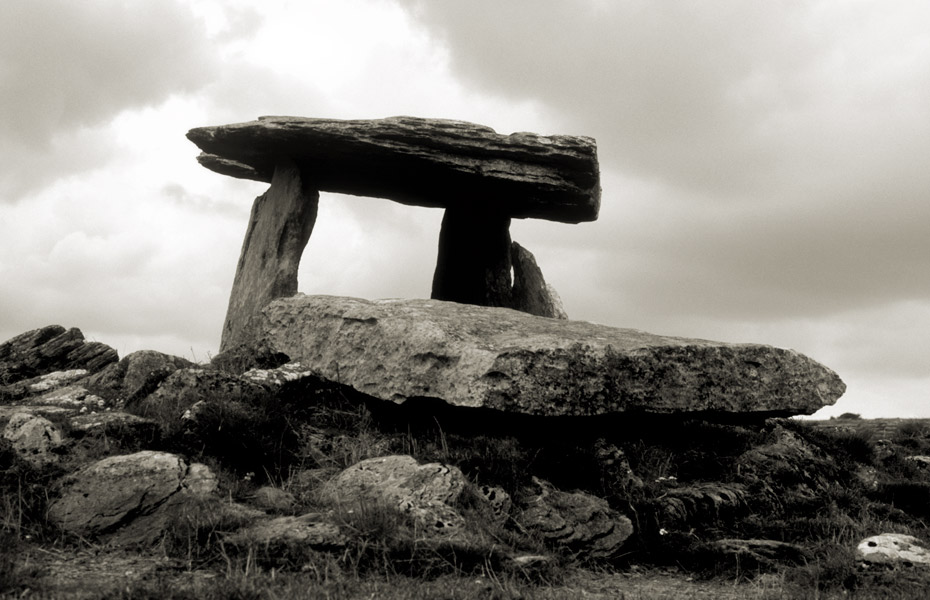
(481, 178)
(493, 333)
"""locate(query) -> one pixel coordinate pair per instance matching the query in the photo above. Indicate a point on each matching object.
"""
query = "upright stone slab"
(507, 360)
(531, 294)
(473, 266)
(279, 228)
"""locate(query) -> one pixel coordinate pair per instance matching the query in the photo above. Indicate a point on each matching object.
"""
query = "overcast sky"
(765, 165)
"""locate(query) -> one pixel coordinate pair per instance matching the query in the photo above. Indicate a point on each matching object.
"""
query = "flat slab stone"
(422, 162)
(507, 360)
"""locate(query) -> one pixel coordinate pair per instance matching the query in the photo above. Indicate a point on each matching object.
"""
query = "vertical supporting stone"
(473, 266)
(279, 228)
(531, 294)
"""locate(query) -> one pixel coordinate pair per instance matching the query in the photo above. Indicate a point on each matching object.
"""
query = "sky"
(764, 165)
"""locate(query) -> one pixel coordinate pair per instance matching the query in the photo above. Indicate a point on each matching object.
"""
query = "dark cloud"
(67, 67)
(784, 142)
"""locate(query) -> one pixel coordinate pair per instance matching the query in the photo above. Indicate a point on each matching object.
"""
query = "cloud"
(781, 146)
(67, 67)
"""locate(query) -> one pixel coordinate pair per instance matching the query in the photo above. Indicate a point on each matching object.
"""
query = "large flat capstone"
(424, 162)
(507, 360)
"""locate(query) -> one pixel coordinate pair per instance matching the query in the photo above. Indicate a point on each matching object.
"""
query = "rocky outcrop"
(531, 294)
(510, 361)
(279, 228)
(424, 492)
(49, 349)
(573, 521)
(135, 376)
(424, 162)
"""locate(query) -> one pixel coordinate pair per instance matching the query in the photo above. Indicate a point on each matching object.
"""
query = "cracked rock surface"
(112, 492)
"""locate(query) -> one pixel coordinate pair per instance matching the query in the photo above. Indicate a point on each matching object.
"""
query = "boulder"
(422, 162)
(279, 228)
(507, 360)
(104, 495)
(893, 549)
(33, 437)
(574, 521)
(118, 497)
(135, 376)
(50, 349)
(531, 294)
(424, 492)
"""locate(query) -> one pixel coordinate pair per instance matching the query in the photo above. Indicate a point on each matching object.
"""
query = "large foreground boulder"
(507, 360)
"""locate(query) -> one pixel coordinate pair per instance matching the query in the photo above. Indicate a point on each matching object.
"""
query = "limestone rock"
(893, 549)
(75, 395)
(279, 376)
(425, 492)
(110, 493)
(42, 384)
(497, 501)
(531, 294)
(33, 437)
(135, 376)
(473, 265)
(684, 506)
(285, 540)
(279, 228)
(424, 162)
(574, 521)
(49, 349)
(507, 360)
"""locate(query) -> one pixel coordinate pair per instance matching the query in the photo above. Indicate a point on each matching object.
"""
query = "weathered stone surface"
(894, 549)
(49, 349)
(425, 492)
(111, 492)
(33, 437)
(503, 359)
(281, 222)
(497, 501)
(574, 521)
(309, 530)
(531, 294)
(425, 162)
(75, 395)
(473, 266)
(686, 506)
(135, 376)
(41, 384)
